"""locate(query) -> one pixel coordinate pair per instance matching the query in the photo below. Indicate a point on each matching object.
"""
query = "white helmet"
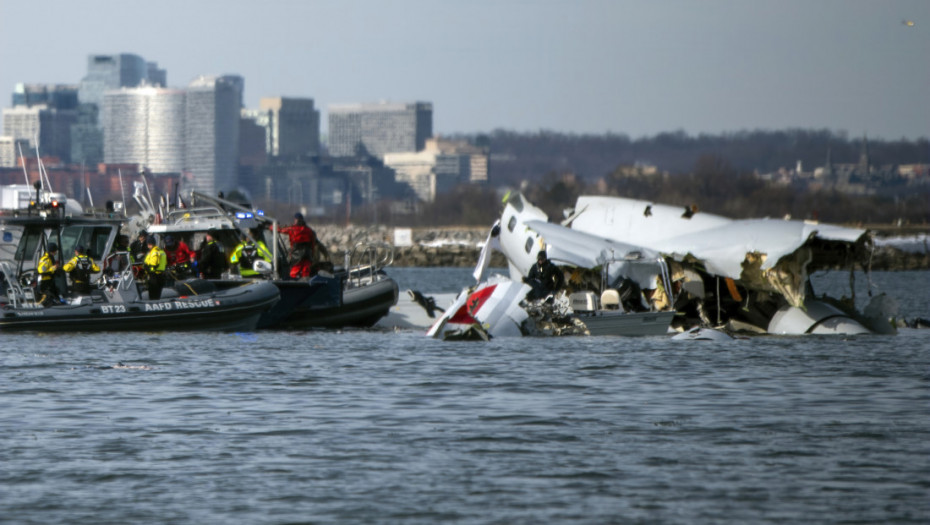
(263, 267)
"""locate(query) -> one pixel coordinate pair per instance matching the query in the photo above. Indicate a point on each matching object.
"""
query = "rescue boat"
(117, 301)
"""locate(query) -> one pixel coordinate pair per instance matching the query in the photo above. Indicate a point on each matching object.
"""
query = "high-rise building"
(86, 136)
(145, 126)
(51, 127)
(9, 150)
(55, 96)
(105, 73)
(44, 112)
(293, 126)
(212, 133)
(379, 128)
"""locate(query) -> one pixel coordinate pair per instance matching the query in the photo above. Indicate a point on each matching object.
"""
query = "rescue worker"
(544, 277)
(245, 255)
(49, 293)
(155, 263)
(302, 239)
(80, 268)
(138, 248)
(211, 262)
(179, 255)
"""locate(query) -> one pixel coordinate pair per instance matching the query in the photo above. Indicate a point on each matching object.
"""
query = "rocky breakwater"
(419, 247)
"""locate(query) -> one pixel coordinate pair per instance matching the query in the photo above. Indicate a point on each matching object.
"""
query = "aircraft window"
(512, 223)
(529, 244)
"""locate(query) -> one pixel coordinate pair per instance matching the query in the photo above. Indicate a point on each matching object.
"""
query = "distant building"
(51, 127)
(46, 111)
(106, 73)
(439, 167)
(252, 140)
(212, 133)
(87, 136)
(9, 150)
(54, 96)
(417, 170)
(472, 162)
(378, 129)
(145, 126)
(293, 127)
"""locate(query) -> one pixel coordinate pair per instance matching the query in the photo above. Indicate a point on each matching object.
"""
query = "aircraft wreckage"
(634, 267)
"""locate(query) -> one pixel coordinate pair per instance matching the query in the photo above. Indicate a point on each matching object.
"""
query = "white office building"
(145, 126)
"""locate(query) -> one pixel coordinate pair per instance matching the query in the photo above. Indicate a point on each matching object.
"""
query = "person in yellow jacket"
(80, 267)
(47, 269)
(155, 263)
(246, 253)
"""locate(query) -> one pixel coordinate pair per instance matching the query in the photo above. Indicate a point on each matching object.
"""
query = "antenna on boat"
(43, 175)
(22, 159)
(148, 192)
(122, 190)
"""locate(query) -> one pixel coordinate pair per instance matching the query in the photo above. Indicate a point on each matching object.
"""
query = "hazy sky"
(581, 66)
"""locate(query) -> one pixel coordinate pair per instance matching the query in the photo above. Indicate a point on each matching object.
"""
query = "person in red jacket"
(302, 239)
(179, 255)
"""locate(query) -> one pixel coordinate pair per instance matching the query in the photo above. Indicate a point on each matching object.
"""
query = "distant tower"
(828, 165)
(379, 128)
(105, 73)
(46, 111)
(145, 126)
(293, 126)
(864, 162)
(212, 131)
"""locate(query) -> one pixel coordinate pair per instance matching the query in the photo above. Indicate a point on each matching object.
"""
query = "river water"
(373, 427)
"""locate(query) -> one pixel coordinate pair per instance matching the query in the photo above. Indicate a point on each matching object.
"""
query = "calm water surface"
(373, 427)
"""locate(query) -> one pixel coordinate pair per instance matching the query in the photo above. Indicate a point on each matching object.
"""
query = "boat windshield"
(93, 238)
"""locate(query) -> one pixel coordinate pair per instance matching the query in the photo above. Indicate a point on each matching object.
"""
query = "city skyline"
(588, 67)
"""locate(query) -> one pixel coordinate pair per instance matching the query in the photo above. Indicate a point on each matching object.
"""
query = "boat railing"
(365, 260)
(120, 274)
(18, 295)
(183, 215)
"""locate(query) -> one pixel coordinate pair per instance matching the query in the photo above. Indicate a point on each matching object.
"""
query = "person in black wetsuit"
(544, 277)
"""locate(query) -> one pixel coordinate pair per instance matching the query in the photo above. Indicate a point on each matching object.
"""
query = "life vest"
(245, 258)
(46, 267)
(80, 268)
(156, 261)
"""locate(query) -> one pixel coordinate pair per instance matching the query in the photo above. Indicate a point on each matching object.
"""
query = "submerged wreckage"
(634, 267)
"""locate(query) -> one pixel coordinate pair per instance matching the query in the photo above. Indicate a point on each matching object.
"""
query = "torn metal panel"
(769, 254)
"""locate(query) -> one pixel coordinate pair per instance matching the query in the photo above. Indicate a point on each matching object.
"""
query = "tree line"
(716, 173)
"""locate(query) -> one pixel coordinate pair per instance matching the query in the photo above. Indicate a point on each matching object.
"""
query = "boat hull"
(627, 324)
(321, 306)
(237, 309)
